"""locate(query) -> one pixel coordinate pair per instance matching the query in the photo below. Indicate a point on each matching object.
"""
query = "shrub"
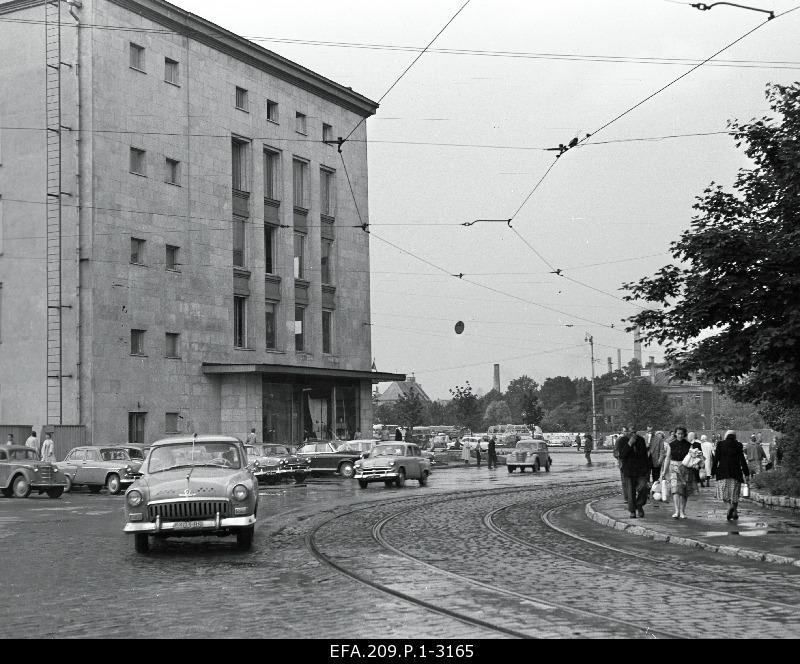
(779, 482)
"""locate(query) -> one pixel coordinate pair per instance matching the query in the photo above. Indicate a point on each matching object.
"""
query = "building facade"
(199, 264)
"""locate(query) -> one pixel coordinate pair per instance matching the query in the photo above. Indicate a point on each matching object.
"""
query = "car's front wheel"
(244, 538)
(363, 484)
(510, 468)
(141, 542)
(55, 492)
(113, 484)
(400, 481)
(68, 480)
(21, 487)
(346, 470)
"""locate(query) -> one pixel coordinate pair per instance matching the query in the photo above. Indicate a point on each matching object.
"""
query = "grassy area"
(777, 482)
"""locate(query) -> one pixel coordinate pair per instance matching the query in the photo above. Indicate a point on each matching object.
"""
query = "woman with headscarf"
(680, 477)
(730, 469)
(695, 445)
(708, 452)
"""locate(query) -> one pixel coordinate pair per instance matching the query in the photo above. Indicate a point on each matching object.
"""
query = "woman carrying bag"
(730, 469)
(679, 476)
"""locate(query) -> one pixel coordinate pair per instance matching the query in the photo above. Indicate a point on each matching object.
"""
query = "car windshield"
(275, 450)
(135, 453)
(186, 455)
(114, 455)
(387, 450)
(527, 446)
(23, 455)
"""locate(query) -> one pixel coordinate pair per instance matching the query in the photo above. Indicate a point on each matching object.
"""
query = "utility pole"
(590, 339)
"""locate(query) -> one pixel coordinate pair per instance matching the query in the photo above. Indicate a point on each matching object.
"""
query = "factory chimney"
(637, 345)
(496, 384)
(610, 366)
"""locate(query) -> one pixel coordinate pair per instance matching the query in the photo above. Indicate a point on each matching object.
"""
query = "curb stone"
(658, 536)
(768, 500)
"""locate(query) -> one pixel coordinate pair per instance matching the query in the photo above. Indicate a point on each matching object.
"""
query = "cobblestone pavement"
(461, 544)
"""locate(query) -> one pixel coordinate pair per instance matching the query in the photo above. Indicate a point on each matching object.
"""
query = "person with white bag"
(708, 452)
(680, 477)
(730, 469)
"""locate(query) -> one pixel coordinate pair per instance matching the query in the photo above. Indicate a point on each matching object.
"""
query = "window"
(137, 251)
(272, 111)
(239, 321)
(171, 348)
(299, 246)
(173, 172)
(1, 309)
(326, 255)
(326, 193)
(137, 56)
(170, 71)
(136, 428)
(327, 319)
(239, 164)
(272, 161)
(172, 258)
(241, 99)
(327, 132)
(299, 315)
(171, 422)
(238, 241)
(137, 342)
(137, 161)
(300, 182)
(269, 320)
(300, 122)
(269, 249)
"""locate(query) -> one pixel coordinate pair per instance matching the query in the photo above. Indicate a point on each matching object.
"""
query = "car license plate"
(180, 525)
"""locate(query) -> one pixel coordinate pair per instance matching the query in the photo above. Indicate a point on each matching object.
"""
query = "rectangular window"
(136, 428)
(1, 311)
(137, 342)
(137, 56)
(300, 122)
(239, 165)
(137, 251)
(173, 171)
(238, 241)
(272, 111)
(327, 319)
(272, 161)
(326, 256)
(327, 132)
(137, 161)
(171, 71)
(269, 249)
(299, 247)
(299, 315)
(171, 347)
(239, 322)
(300, 182)
(172, 258)
(241, 99)
(269, 320)
(171, 422)
(326, 193)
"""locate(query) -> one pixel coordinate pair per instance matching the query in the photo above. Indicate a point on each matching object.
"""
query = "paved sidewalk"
(761, 533)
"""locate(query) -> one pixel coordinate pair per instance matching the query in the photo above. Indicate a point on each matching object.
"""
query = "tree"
(645, 404)
(689, 416)
(567, 417)
(556, 391)
(410, 410)
(522, 397)
(385, 413)
(497, 412)
(467, 406)
(732, 309)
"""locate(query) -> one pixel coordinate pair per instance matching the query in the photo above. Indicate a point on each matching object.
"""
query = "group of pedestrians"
(46, 450)
(491, 453)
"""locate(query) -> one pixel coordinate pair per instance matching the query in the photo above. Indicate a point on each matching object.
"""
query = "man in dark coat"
(635, 462)
(621, 441)
(492, 454)
(398, 435)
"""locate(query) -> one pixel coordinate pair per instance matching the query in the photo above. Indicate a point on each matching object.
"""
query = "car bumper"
(199, 525)
(47, 485)
(375, 475)
(279, 472)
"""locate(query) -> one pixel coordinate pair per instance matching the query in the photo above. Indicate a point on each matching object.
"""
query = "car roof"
(204, 438)
(15, 447)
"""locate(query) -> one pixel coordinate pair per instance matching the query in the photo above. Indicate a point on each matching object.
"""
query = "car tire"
(363, 484)
(522, 469)
(55, 492)
(21, 487)
(400, 480)
(68, 480)
(113, 484)
(95, 488)
(388, 483)
(8, 492)
(510, 468)
(536, 466)
(547, 467)
(141, 542)
(347, 470)
(299, 478)
(423, 479)
(244, 538)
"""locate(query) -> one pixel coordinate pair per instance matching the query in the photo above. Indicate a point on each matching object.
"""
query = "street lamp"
(590, 339)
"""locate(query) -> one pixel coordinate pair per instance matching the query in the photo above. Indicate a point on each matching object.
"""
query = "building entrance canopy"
(289, 370)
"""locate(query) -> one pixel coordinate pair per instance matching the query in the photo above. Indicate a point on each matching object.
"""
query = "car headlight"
(357, 464)
(391, 463)
(128, 469)
(282, 462)
(240, 492)
(134, 498)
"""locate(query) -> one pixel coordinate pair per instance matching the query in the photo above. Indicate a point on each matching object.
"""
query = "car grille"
(189, 509)
(376, 470)
(46, 474)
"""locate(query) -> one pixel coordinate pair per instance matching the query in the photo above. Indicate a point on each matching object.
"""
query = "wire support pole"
(590, 339)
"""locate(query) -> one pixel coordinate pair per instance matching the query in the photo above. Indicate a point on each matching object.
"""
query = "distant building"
(405, 388)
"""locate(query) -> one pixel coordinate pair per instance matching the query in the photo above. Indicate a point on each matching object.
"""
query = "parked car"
(362, 445)
(326, 460)
(98, 467)
(136, 452)
(192, 486)
(21, 472)
(393, 463)
(529, 453)
(271, 463)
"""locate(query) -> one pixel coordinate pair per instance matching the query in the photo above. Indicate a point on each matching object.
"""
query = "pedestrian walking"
(754, 453)
(657, 452)
(680, 477)
(578, 441)
(10, 439)
(588, 446)
(48, 448)
(251, 437)
(730, 469)
(633, 455)
(621, 440)
(398, 435)
(33, 441)
(707, 448)
(491, 459)
(694, 444)
(478, 453)
(465, 452)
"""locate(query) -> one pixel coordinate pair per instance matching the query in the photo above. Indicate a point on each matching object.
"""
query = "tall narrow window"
(1, 312)
(241, 99)
(136, 422)
(272, 111)
(326, 255)
(272, 175)
(327, 132)
(239, 322)
(171, 422)
(269, 330)
(173, 175)
(171, 258)
(137, 251)
(137, 161)
(299, 247)
(300, 122)
(137, 342)
(171, 71)
(137, 56)
(300, 181)
(327, 320)
(238, 241)
(326, 193)
(299, 316)
(239, 165)
(171, 348)
(269, 249)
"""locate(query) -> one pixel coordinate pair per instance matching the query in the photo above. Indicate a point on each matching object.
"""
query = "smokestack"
(652, 370)
(610, 366)
(496, 384)
(637, 345)
(619, 359)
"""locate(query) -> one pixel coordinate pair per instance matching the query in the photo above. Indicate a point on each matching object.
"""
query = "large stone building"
(179, 246)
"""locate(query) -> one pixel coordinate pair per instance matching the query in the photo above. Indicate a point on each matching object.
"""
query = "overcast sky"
(620, 201)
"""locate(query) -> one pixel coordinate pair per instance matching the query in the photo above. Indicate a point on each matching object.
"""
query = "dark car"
(21, 472)
(271, 463)
(326, 460)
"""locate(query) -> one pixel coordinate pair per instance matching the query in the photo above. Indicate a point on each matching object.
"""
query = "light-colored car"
(97, 467)
(393, 463)
(271, 463)
(529, 453)
(193, 486)
(21, 472)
